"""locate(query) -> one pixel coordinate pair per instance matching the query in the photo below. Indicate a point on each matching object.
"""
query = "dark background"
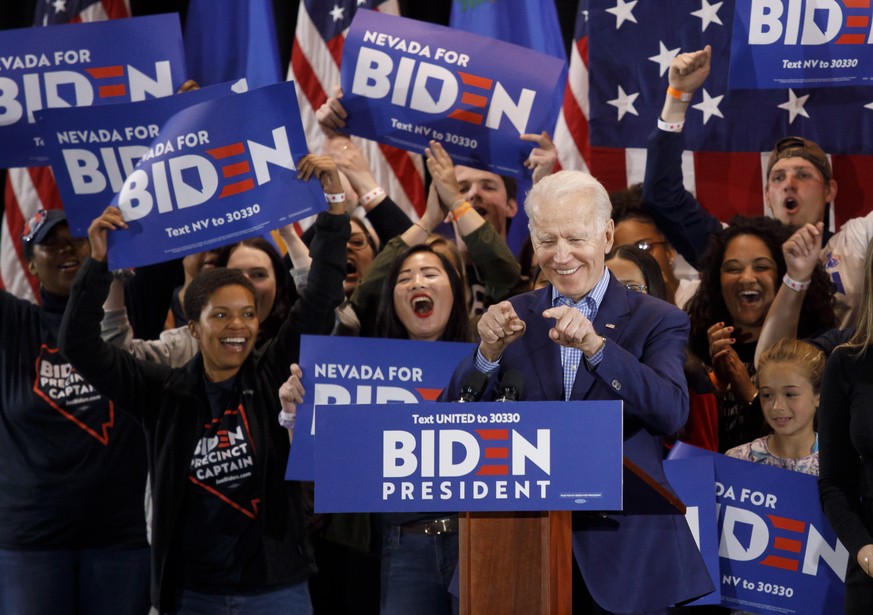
(19, 14)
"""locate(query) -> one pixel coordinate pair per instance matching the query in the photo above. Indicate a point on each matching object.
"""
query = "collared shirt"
(570, 357)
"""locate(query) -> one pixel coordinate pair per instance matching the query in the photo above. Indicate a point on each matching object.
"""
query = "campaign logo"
(772, 540)
(223, 460)
(67, 392)
(809, 22)
(81, 65)
(432, 88)
(455, 456)
(183, 179)
(83, 88)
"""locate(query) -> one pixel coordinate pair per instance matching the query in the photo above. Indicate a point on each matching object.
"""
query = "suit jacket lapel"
(612, 316)
(545, 355)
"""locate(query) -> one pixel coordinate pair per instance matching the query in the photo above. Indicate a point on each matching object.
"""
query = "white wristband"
(794, 284)
(371, 196)
(670, 126)
(339, 197)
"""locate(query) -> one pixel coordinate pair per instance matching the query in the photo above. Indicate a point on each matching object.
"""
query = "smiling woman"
(227, 525)
(422, 299)
(740, 273)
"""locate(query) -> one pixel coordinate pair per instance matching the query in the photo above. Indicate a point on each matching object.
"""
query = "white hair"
(570, 188)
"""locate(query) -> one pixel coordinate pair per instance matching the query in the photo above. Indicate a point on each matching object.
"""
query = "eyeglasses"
(637, 288)
(647, 246)
(358, 241)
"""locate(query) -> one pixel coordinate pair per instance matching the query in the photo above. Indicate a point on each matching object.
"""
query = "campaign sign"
(217, 172)
(816, 43)
(81, 65)
(777, 552)
(406, 82)
(484, 456)
(690, 478)
(92, 152)
(353, 370)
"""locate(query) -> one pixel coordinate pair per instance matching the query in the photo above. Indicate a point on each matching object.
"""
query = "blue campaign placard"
(405, 82)
(794, 44)
(485, 456)
(777, 552)
(217, 172)
(351, 370)
(92, 151)
(82, 65)
(693, 481)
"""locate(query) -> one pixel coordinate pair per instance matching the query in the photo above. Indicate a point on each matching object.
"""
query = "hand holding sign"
(331, 115)
(109, 220)
(324, 169)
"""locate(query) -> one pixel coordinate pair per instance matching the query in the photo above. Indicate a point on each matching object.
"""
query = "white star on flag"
(624, 103)
(708, 14)
(623, 12)
(794, 106)
(869, 106)
(665, 57)
(709, 106)
(59, 5)
(362, 2)
(337, 12)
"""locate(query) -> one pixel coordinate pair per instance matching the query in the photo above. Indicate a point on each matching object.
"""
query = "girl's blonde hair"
(810, 358)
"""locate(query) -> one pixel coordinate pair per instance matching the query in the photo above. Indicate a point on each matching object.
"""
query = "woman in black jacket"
(228, 529)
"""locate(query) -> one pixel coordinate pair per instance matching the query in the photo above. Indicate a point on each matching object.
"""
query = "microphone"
(473, 387)
(511, 386)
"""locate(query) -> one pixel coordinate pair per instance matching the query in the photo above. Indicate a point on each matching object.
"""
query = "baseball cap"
(39, 225)
(790, 147)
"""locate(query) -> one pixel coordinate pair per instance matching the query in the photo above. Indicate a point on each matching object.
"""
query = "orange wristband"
(679, 94)
(461, 210)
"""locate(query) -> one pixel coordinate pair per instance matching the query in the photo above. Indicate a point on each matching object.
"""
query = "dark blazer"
(631, 563)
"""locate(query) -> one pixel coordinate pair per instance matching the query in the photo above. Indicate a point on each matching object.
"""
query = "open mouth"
(748, 298)
(791, 205)
(69, 264)
(351, 267)
(781, 421)
(567, 271)
(234, 344)
(422, 306)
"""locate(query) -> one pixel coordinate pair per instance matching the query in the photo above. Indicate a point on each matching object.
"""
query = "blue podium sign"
(485, 456)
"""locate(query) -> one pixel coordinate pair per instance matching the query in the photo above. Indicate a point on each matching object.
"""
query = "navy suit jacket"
(630, 563)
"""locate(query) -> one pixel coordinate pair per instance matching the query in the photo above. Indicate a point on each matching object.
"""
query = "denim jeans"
(293, 600)
(74, 582)
(416, 572)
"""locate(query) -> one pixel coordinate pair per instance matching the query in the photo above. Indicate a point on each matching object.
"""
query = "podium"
(495, 579)
(504, 468)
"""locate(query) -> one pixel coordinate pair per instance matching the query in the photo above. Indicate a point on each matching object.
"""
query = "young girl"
(789, 381)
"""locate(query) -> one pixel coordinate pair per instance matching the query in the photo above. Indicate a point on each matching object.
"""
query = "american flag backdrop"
(315, 61)
(30, 189)
(615, 91)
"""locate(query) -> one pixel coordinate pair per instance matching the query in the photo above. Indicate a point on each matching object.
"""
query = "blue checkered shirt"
(570, 357)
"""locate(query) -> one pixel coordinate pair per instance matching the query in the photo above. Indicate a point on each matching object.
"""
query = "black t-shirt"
(223, 523)
(73, 470)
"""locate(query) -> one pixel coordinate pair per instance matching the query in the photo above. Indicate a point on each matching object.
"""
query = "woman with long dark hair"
(740, 272)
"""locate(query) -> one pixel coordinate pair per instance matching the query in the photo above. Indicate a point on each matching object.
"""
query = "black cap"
(38, 226)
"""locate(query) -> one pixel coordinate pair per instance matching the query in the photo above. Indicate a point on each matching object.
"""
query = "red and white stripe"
(727, 183)
(315, 71)
(31, 189)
